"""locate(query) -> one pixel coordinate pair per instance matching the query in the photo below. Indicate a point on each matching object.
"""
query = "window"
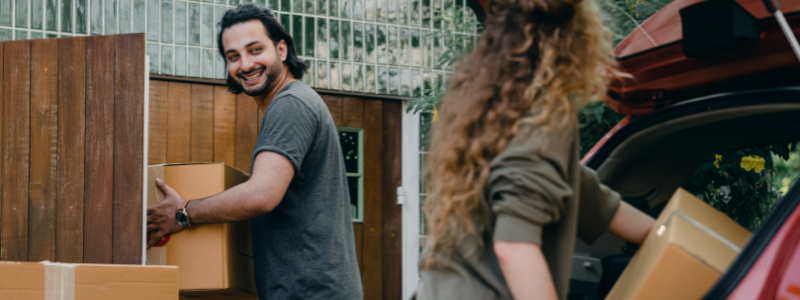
(351, 140)
(746, 183)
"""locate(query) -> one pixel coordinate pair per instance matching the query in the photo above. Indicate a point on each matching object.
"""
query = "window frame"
(360, 173)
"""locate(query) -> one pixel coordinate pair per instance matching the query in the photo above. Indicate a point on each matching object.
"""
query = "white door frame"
(410, 209)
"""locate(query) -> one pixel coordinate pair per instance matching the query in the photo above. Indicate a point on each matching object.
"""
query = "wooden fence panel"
(98, 222)
(71, 150)
(224, 125)
(179, 138)
(157, 140)
(202, 123)
(16, 151)
(2, 100)
(44, 151)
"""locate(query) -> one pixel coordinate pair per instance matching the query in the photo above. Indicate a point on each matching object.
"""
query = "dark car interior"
(655, 154)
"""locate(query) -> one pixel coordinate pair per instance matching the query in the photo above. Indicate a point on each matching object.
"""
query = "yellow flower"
(758, 164)
(435, 115)
(747, 163)
(716, 164)
(717, 159)
(753, 162)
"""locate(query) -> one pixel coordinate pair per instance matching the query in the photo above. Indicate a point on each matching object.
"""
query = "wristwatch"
(181, 216)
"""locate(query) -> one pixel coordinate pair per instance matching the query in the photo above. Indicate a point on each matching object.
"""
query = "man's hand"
(161, 217)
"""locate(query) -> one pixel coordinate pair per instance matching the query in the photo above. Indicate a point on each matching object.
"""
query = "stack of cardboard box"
(51, 281)
(686, 251)
(215, 260)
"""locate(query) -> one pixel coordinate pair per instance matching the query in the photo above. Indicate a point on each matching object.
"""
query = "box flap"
(695, 208)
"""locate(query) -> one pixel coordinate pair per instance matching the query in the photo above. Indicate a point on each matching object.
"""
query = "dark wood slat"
(44, 151)
(129, 76)
(179, 123)
(392, 213)
(2, 100)
(16, 151)
(224, 125)
(246, 131)
(358, 234)
(98, 222)
(373, 202)
(71, 150)
(334, 104)
(157, 131)
(202, 132)
(353, 112)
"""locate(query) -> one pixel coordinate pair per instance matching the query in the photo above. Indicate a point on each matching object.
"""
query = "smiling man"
(297, 196)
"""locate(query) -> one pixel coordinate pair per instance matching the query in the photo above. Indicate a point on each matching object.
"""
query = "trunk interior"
(654, 155)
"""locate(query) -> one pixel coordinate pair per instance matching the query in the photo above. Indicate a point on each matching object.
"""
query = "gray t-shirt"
(304, 248)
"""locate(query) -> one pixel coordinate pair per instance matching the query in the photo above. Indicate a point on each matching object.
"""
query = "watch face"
(182, 218)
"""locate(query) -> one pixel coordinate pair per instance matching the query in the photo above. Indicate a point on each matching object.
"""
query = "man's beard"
(271, 74)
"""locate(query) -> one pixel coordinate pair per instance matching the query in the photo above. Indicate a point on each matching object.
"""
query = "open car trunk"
(647, 160)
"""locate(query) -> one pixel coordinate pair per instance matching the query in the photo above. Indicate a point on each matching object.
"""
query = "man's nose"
(247, 63)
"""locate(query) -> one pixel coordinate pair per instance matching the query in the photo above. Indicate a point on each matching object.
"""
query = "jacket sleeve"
(527, 189)
(598, 205)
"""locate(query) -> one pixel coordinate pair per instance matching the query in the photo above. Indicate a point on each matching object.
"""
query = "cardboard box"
(686, 251)
(214, 259)
(44, 281)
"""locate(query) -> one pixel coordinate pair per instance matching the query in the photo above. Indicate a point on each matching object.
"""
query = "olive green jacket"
(538, 192)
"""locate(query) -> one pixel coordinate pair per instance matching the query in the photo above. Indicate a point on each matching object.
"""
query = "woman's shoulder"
(531, 142)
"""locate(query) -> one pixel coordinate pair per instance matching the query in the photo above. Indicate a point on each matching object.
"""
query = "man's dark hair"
(275, 31)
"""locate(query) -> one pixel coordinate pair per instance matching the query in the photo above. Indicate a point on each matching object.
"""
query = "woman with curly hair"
(509, 192)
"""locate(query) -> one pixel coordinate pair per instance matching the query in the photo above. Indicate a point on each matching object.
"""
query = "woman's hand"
(525, 270)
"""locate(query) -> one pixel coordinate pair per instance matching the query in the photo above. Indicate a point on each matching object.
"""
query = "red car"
(708, 77)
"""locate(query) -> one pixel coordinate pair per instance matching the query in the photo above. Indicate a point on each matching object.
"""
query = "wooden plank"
(2, 99)
(246, 131)
(44, 151)
(353, 112)
(358, 234)
(334, 104)
(224, 125)
(373, 202)
(98, 222)
(157, 131)
(16, 151)
(129, 76)
(202, 128)
(392, 213)
(179, 122)
(71, 150)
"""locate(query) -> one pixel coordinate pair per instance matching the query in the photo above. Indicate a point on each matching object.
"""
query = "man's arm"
(272, 173)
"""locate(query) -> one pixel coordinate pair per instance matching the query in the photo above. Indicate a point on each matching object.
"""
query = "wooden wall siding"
(392, 213)
(372, 277)
(189, 111)
(71, 155)
(246, 131)
(224, 125)
(200, 123)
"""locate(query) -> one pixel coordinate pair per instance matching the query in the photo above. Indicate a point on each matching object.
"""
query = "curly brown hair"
(537, 62)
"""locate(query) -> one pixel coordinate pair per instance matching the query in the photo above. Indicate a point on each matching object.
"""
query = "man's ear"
(283, 50)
